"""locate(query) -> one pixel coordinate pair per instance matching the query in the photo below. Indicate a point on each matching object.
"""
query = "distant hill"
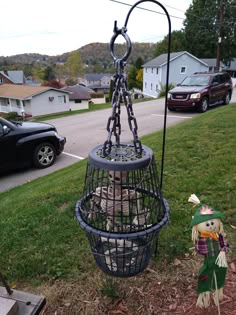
(91, 54)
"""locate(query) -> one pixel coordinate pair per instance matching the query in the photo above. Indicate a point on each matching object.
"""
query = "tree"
(135, 74)
(202, 26)
(54, 83)
(60, 71)
(131, 78)
(139, 79)
(177, 43)
(74, 65)
(27, 70)
(38, 73)
(49, 74)
(71, 82)
(139, 62)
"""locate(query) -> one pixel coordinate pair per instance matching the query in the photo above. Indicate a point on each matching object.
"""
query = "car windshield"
(196, 80)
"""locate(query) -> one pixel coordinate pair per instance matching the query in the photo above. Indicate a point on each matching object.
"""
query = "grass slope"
(40, 239)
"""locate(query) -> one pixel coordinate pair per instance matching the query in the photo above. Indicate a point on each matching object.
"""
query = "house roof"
(6, 76)
(78, 92)
(97, 76)
(211, 62)
(17, 76)
(162, 59)
(23, 91)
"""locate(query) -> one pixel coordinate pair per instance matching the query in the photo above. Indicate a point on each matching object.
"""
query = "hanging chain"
(121, 94)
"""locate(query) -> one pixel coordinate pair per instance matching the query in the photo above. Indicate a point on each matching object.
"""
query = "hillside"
(91, 54)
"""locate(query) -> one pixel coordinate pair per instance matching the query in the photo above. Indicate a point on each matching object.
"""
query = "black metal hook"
(122, 31)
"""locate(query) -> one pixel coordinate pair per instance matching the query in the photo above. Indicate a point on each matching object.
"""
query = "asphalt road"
(84, 131)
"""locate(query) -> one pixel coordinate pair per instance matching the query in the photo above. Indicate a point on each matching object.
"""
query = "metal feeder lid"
(122, 157)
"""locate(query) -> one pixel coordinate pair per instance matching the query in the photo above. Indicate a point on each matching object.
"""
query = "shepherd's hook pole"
(167, 76)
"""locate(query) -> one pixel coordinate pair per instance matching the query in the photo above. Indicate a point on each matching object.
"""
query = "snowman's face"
(212, 225)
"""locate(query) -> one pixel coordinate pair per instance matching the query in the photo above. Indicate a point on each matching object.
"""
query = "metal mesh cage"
(122, 209)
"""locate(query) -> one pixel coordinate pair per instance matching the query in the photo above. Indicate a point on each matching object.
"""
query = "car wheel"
(44, 155)
(226, 98)
(171, 109)
(203, 105)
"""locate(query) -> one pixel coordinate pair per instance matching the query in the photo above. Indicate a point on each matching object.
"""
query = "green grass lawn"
(40, 240)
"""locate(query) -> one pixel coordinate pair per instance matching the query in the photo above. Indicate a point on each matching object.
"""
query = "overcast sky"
(54, 27)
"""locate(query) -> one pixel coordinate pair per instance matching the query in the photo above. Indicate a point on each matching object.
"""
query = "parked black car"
(28, 143)
(201, 90)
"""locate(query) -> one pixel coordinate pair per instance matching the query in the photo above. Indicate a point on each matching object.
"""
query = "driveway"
(85, 131)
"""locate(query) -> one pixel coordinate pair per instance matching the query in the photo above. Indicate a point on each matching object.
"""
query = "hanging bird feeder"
(122, 208)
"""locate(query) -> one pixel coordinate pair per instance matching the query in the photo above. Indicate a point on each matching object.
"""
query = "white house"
(99, 82)
(181, 64)
(79, 96)
(33, 100)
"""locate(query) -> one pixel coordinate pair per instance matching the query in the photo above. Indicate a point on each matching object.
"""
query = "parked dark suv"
(201, 90)
(25, 143)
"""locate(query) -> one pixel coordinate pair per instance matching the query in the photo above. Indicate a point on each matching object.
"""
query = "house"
(99, 82)
(31, 81)
(4, 78)
(12, 77)
(231, 69)
(181, 64)
(211, 63)
(79, 96)
(33, 100)
(16, 77)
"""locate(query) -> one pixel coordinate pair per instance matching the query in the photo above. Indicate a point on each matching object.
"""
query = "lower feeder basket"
(122, 209)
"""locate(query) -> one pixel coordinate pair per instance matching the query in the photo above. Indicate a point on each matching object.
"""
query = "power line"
(161, 13)
(200, 18)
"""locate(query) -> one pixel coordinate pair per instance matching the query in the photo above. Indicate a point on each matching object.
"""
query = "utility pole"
(220, 34)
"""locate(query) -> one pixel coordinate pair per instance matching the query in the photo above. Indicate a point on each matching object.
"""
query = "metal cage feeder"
(122, 209)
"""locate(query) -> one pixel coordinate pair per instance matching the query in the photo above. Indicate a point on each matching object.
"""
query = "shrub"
(163, 89)
(97, 95)
(11, 116)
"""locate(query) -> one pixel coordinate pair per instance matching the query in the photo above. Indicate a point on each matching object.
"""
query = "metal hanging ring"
(123, 33)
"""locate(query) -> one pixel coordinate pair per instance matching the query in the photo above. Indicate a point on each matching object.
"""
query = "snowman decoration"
(208, 237)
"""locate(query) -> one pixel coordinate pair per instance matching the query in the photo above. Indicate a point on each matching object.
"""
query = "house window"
(156, 70)
(152, 70)
(151, 86)
(210, 69)
(62, 99)
(145, 85)
(146, 70)
(183, 70)
(18, 103)
(157, 88)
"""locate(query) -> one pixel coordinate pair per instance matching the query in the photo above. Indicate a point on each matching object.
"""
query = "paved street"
(85, 131)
